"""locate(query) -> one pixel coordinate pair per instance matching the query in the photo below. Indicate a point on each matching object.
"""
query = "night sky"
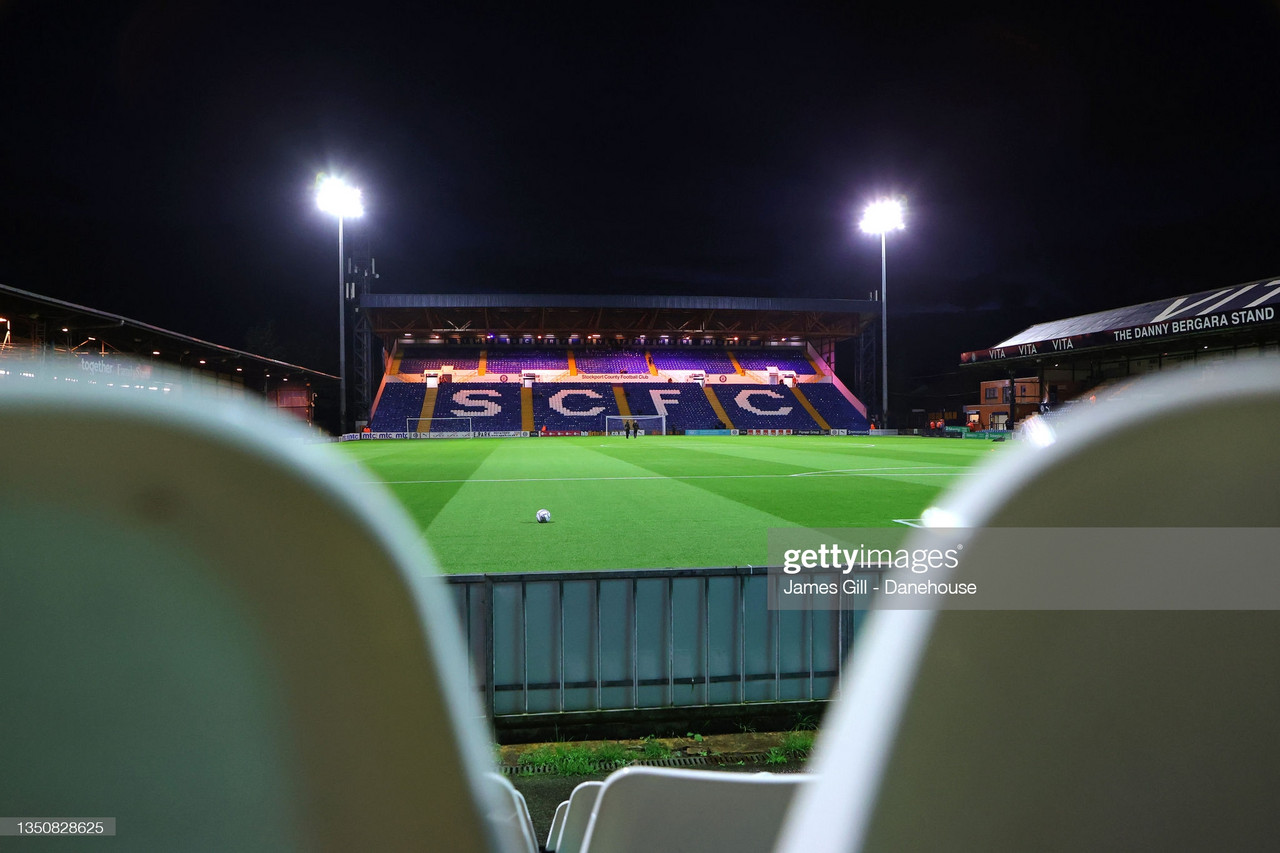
(157, 159)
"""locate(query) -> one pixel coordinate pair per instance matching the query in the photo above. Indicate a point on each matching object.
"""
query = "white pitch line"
(852, 472)
(872, 470)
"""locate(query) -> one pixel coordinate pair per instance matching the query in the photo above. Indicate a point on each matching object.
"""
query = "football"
(544, 516)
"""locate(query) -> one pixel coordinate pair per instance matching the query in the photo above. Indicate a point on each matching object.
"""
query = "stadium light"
(336, 197)
(881, 217)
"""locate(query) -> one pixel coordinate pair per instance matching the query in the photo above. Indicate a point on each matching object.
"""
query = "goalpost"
(647, 424)
(439, 427)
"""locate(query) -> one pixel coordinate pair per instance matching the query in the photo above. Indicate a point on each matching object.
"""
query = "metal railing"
(654, 638)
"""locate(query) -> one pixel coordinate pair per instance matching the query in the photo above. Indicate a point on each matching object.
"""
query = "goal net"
(646, 424)
(439, 427)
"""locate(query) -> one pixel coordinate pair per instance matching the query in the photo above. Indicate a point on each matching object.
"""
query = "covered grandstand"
(511, 365)
(41, 336)
(1054, 363)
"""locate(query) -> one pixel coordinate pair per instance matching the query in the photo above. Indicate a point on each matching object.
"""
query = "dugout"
(1051, 364)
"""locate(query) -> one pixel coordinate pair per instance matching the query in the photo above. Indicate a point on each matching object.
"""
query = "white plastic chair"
(578, 816)
(511, 814)
(211, 633)
(1058, 730)
(690, 811)
(557, 824)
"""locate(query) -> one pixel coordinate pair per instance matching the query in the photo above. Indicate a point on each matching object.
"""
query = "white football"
(544, 516)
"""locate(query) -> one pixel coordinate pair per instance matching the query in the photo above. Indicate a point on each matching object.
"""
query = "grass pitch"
(656, 501)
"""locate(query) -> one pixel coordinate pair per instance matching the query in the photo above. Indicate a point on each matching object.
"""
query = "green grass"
(677, 501)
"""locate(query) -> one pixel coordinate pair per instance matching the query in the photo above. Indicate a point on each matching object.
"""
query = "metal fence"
(654, 638)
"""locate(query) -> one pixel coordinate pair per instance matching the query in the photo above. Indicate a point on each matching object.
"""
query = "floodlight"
(883, 216)
(880, 218)
(334, 196)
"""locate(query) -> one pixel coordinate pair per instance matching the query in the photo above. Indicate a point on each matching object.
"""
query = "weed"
(652, 748)
(797, 743)
(611, 755)
(775, 755)
(563, 759)
(806, 722)
(696, 737)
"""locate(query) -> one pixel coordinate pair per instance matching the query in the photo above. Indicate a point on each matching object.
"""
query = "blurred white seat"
(511, 815)
(690, 811)
(557, 823)
(1086, 730)
(577, 816)
(213, 634)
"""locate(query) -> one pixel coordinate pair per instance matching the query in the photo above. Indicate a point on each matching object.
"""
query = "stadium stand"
(492, 406)
(791, 358)
(515, 360)
(1134, 729)
(710, 360)
(684, 403)
(416, 359)
(611, 361)
(837, 411)
(572, 406)
(399, 402)
(764, 407)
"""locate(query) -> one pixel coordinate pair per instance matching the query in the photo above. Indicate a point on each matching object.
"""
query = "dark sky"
(157, 159)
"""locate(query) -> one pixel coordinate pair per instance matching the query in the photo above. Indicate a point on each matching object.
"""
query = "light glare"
(883, 216)
(335, 197)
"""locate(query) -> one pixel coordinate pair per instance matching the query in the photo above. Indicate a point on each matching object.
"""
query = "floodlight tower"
(881, 217)
(334, 196)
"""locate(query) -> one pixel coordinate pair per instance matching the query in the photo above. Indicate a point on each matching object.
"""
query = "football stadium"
(600, 518)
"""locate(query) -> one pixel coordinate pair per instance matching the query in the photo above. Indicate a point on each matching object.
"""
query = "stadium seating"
(511, 815)
(642, 809)
(513, 361)
(399, 401)
(1076, 730)
(684, 403)
(492, 406)
(709, 360)
(611, 361)
(416, 359)
(835, 409)
(577, 817)
(557, 824)
(222, 636)
(783, 358)
(572, 406)
(763, 407)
